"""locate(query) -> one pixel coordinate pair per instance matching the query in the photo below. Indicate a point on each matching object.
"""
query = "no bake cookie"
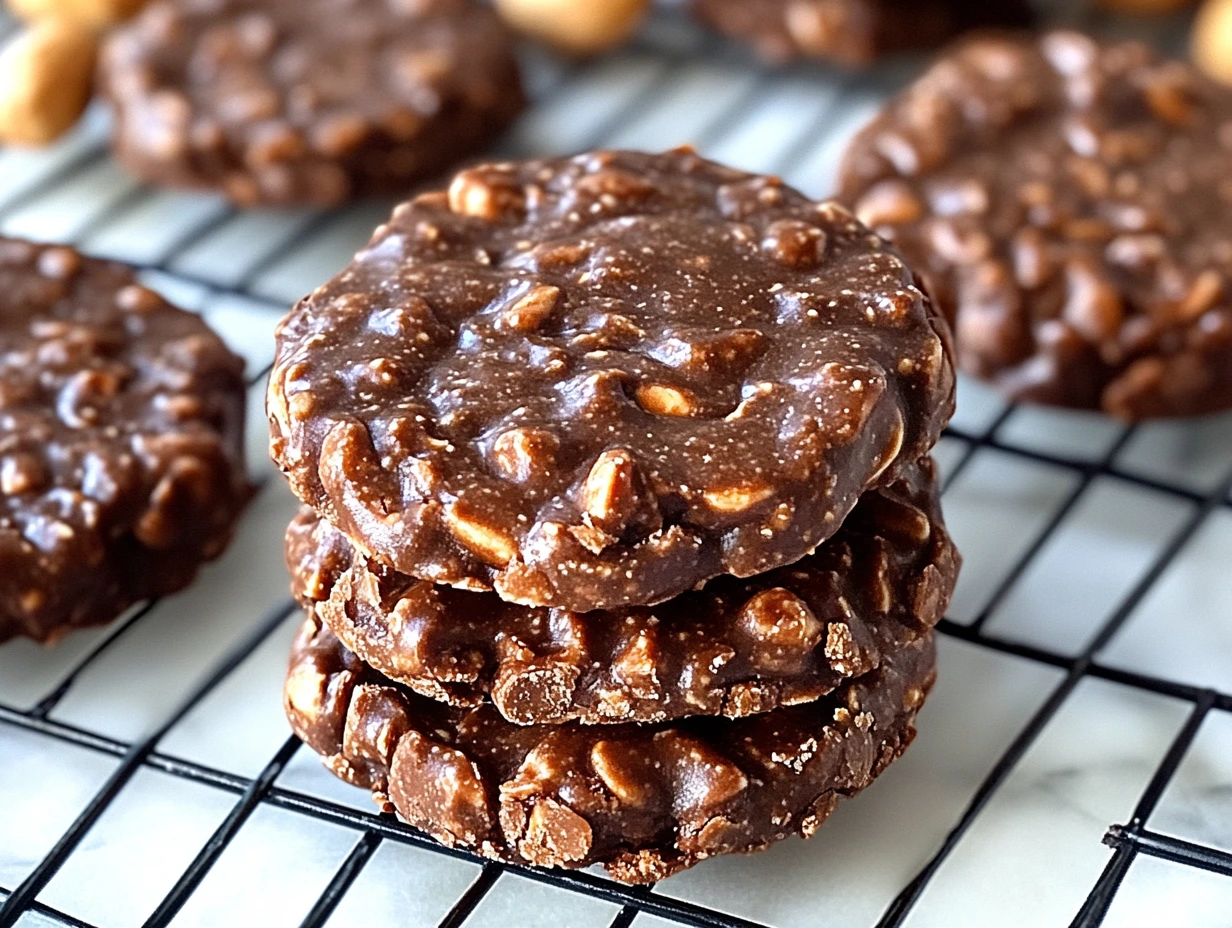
(307, 101)
(1068, 203)
(121, 422)
(645, 801)
(736, 648)
(600, 381)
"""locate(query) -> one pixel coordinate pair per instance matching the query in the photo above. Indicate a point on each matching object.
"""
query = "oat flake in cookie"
(1070, 206)
(307, 101)
(852, 32)
(645, 801)
(736, 648)
(600, 381)
(121, 421)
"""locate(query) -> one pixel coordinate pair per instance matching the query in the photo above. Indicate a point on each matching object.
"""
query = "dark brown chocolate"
(736, 648)
(121, 422)
(852, 32)
(645, 801)
(1069, 204)
(600, 381)
(307, 101)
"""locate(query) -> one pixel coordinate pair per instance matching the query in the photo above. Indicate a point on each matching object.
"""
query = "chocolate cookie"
(645, 801)
(121, 422)
(600, 381)
(736, 648)
(852, 32)
(1070, 206)
(307, 101)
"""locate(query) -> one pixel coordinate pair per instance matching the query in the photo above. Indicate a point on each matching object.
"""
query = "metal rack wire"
(656, 66)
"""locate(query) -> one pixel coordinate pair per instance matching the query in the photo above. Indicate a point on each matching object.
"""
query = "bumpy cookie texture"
(307, 101)
(121, 419)
(852, 32)
(736, 648)
(645, 801)
(1069, 205)
(601, 381)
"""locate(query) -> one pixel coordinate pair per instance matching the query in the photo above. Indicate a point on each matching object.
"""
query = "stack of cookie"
(622, 543)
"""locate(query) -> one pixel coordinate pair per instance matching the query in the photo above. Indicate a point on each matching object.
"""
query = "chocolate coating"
(600, 381)
(736, 648)
(1069, 205)
(645, 801)
(307, 101)
(852, 32)
(121, 422)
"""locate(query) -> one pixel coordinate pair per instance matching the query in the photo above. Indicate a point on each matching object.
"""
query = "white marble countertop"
(1090, 743)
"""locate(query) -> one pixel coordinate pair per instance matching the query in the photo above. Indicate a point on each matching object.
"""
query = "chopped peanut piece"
(737, 499)
(661, 400)
(491, 545)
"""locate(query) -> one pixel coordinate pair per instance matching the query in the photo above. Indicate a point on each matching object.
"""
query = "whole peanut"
(580, 27)
(1212, 40)
(46, 77)
(97, 14)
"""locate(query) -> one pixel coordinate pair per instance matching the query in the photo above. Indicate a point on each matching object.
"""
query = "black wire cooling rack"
(632, 110)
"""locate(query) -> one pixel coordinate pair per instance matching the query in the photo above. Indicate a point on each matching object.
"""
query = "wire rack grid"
(1090, 644)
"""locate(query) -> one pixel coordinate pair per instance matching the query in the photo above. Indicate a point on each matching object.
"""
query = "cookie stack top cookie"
(618, 509)
(601, 381)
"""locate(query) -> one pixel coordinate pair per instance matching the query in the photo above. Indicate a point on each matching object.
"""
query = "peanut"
(94, 13)
(489, 543)
(607, 495)
(618, 768)
(533, 309)
(580, 27)
(485, 195)
(663, 400)
(1212, 40)
(737, 498)
(889, 203)
(46, 78)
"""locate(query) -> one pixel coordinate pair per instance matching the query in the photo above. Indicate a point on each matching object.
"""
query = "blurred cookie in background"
(307, 101)
(1068, 203)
